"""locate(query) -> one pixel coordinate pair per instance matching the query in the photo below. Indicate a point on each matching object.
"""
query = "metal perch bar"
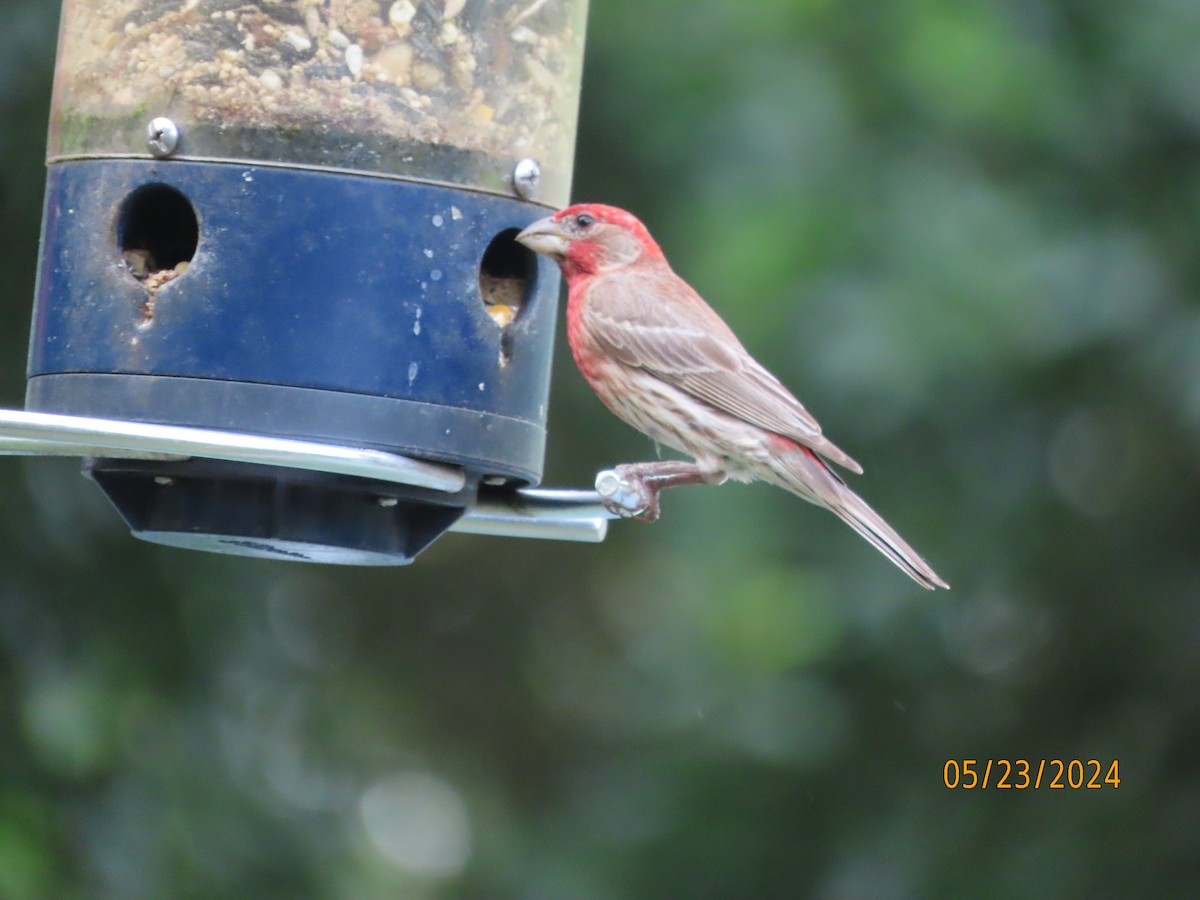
(566, 515)
(42, 433)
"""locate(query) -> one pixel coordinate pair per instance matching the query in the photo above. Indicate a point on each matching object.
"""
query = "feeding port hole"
(506, 278)
(157, 234)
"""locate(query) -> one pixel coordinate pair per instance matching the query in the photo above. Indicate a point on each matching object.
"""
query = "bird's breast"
(587, 355)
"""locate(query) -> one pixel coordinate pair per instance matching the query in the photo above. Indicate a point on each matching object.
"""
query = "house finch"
(660, 358)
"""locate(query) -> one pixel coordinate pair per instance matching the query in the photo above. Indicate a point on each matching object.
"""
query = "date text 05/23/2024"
(1031, 774)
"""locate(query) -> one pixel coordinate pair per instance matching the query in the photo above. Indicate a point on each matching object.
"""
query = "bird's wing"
(653, 320)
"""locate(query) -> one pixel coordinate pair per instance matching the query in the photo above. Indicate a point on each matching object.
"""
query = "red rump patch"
(786, 445)
(782, 444)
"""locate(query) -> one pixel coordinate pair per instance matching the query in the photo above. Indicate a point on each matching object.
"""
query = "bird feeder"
(280, 306)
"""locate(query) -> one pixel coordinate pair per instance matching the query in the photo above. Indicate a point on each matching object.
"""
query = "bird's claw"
(626, 495)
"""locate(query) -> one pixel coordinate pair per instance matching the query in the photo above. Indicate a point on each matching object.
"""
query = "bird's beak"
(545, 236)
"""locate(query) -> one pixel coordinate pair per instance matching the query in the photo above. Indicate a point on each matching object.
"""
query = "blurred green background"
(968, 235)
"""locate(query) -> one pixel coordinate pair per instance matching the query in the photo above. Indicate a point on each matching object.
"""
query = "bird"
(661, 359)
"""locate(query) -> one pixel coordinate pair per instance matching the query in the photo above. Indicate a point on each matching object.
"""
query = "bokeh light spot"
(419, 823)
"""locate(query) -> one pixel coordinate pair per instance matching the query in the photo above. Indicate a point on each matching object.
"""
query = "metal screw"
(162, 135)
(621, 496)
(525, 178)
(608, 483)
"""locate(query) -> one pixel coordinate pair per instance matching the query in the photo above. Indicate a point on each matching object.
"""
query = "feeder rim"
(306, 167)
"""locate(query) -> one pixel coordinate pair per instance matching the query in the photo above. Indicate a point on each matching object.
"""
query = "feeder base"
(276, 513)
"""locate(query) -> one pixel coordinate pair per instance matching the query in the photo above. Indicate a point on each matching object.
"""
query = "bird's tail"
(854, 511)
(807, 475)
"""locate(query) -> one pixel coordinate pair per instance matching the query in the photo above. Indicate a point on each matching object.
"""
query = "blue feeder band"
(316, 305)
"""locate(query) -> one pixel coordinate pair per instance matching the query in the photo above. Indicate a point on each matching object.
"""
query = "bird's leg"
(631, 490)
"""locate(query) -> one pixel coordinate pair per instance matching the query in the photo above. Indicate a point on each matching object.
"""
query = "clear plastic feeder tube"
(449, 91)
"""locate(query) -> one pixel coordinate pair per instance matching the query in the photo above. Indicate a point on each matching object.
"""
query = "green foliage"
(966, 234)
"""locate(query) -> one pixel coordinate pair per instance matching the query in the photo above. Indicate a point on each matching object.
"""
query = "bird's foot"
(627, 495)
(630, 490)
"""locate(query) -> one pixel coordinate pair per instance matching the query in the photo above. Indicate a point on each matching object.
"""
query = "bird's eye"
(584, 220)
